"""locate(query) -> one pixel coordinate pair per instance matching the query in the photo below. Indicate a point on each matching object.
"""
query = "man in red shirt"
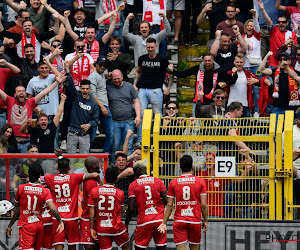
(64, 189)
(6, 73)
(92, 165)
(19, 109)
(29, 202)
(146, 191)
(190, 194)
(105, 204)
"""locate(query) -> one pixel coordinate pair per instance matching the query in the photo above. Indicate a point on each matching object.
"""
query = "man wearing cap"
(286, 81)
(99, 94)
(84, 115)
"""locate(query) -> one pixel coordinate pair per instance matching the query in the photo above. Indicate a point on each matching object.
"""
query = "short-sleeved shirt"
(108, 202)
(62, 5)
(38, 19)
(18, 113)
(120, 101)
(31, 198)
(18, 29)
(187, 190)
(5, 74)
(228, 28)
(64, 190)
(226, 58)
(88, 186)
(153, 71)
(146, 191)
(293, 11)
(44, 138)
(49, 103)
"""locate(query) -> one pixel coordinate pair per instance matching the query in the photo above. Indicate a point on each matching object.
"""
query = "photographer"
(80, 63)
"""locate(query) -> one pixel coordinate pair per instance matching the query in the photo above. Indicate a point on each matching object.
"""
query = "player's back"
(64, 190)
(187, 190)
(108, 201)
(31, 198)
(146, 190)
(88, 186)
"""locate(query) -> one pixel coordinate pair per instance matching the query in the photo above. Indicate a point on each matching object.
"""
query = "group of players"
(102, 206)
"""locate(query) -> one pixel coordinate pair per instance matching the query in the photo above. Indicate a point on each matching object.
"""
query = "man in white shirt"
(81, 64)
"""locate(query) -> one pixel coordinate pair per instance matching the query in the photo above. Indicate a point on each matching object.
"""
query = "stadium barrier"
(16, 168)
(243, 185)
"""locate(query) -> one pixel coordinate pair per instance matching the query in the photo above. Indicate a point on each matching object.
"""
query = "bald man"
(121, 95)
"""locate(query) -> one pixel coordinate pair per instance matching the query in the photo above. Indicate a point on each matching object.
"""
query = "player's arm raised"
(56, 215)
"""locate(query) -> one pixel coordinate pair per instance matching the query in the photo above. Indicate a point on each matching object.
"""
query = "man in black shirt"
(149, 79)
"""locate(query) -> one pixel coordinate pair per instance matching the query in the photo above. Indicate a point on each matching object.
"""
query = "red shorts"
(144, 234)
(47, 237)
(71, 233)
(31, 236)
(105, 242)
(186, 232)
(85, 232)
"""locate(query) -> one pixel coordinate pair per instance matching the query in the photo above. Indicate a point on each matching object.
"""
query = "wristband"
(219, 38)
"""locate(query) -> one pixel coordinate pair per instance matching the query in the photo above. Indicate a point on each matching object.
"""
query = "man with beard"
(227, 25)
(280, 35)
(224, 51)
(92, 46)
(38, 14)
(84, 115)
(19, 109)
(5, 73)
(28, 67)
(27, 37)
(81, 64)
(209, 75)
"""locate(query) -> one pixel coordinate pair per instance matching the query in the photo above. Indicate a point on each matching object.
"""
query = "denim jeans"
(106, 122)
(246, 112)
(119, 134)
(163, 45)
(255, 89)
(23, 147)
(104, 49)
(146, 96)
(2, 119)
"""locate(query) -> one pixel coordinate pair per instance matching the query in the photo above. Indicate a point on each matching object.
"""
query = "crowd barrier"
(251, 183)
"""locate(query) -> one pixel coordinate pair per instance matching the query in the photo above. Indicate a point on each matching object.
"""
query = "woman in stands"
(8, 142)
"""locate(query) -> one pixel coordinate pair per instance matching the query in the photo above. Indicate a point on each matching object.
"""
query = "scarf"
(200, 85)
(148, 15)
(80, 3)
(24, 42)
(94, 49)
(55, 62)
(106, 9)
(80, 73)
(293, 87)
(264, 97)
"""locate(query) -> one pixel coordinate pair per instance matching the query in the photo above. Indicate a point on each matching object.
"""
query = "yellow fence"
(237, 158)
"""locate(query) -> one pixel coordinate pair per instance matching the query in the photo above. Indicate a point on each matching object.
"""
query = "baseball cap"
(100, 60)
(284, 54)
(79, 9)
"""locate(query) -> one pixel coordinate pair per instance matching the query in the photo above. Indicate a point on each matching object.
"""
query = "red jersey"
(64, 190)
(18, 113)
(5, 74)
(31, 198)
(88, 185)
(108, 201)
(187, 190)
(146, 190)
(215, 194)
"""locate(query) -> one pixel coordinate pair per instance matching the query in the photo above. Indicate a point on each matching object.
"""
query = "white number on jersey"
(35, 199)
(148, 191)
(111, 201)
(186, 193)
(64, 190)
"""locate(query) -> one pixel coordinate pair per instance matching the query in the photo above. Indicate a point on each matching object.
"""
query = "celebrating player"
(146, 191)
(92, 165)
(29, 202)
(106, 206)
(64, 190)
(190, 194)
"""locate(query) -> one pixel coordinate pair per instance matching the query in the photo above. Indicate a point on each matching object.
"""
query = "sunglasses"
(168, 108)
(102, 65)
(298, 54)
(27, 18)
(220, 97)
(282, 59)
(57, 45)
(282, 21)
(80, 47)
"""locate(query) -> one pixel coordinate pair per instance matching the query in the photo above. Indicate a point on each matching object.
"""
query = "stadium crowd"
(72, 57)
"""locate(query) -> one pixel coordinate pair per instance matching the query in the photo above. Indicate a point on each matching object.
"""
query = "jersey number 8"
(186, 193)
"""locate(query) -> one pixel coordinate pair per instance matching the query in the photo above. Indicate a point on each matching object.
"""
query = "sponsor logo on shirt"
(84, 106)
(143, 180)
(34, 189)
(187, 179)
(33, 219)
(150, 210)
(64, 200)
(184, 203)
(107, 190)
(150, 64)
(105, 214)
(47, 132)
(187, 212)
(106, 223)
(228, 54)
(62, 178)
(64, 209)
